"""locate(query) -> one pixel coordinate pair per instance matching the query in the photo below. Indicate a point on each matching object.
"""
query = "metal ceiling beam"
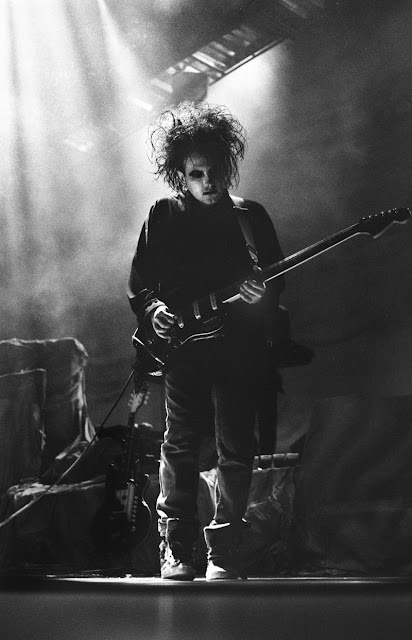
(261, 25)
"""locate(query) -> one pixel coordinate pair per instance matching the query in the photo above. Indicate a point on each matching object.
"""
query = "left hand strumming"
(251, 291)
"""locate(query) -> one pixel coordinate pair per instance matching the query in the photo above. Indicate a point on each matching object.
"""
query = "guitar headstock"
(378, 223)
(137, 399)
(141, 389)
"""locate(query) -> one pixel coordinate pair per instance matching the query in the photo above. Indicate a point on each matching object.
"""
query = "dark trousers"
(226, 371)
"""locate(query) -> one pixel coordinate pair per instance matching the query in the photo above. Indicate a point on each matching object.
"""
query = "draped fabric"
(63, 408)
(43, 411)
(22, 397)
(56, 533)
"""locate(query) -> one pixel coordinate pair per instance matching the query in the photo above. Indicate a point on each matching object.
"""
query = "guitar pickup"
(213, 301)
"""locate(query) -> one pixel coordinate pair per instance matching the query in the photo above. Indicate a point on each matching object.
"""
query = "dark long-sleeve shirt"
(186, 251)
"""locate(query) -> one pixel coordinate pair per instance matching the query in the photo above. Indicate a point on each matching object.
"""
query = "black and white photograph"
(205, 319)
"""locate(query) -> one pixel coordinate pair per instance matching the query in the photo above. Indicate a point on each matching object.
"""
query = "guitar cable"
(71, 467)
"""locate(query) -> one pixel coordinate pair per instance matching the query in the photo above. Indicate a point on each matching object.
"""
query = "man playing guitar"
(191, 244)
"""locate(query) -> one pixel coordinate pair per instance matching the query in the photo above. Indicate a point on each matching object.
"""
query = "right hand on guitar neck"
(163, 322)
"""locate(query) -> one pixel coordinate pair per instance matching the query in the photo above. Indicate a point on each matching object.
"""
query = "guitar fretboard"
(372, 225)
(231, 293)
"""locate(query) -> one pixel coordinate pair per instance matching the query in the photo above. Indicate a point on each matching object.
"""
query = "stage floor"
(97, 608)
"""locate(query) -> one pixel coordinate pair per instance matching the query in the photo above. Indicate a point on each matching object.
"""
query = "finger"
(253, 288)
(166, 317)
(247, 296)
(162, 332)
(250, 297)
(162, 314)
(246, 289)
(255, 285)
(165, 322)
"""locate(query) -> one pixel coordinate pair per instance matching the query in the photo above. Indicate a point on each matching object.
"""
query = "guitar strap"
(244, 223)
(277, 324)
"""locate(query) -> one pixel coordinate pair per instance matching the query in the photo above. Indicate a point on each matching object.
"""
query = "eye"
(196, 174)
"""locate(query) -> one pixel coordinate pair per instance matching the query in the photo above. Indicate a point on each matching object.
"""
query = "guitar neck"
(231, 293)
(373, 225)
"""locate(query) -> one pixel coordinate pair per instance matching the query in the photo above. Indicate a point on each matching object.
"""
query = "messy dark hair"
(196, 127)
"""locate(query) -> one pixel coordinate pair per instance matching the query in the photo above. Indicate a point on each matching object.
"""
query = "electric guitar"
(204, 318)
(123, 521)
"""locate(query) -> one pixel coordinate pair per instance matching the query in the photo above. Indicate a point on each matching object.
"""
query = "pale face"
(200, 179)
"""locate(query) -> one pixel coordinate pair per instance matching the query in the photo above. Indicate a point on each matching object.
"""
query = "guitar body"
(123, 522)
(157, 355)
(204, 318)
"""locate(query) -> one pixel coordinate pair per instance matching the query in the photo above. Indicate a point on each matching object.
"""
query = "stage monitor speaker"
(353, 501)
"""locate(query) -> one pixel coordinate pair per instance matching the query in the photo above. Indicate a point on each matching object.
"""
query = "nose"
(210, 177)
